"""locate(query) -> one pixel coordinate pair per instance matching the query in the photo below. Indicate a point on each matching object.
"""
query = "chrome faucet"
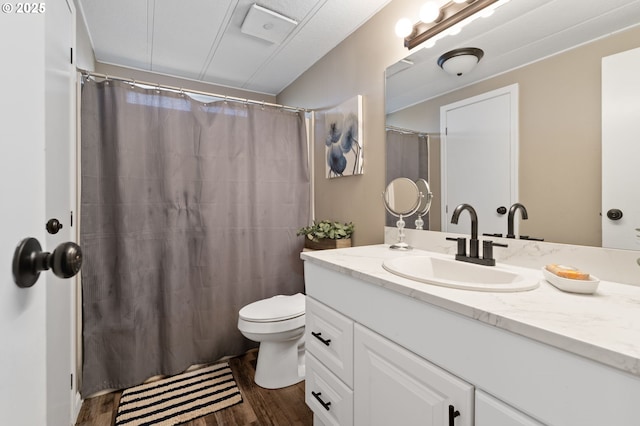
(511, 217)
(487, 246)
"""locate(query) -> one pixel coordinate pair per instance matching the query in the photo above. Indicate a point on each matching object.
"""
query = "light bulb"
(459, 1)
(404, 27)
(429, 12)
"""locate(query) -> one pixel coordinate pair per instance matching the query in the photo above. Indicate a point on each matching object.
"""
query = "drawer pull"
(453, 413)
(317, 336)
(324, 404)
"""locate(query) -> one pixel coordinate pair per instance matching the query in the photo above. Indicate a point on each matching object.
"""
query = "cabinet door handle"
(324, 404)
(453, 413)
(317, 336)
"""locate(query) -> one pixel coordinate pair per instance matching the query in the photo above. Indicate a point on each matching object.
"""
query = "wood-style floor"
(264, 407)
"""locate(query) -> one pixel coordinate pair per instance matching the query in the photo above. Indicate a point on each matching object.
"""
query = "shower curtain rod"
(183, 90)
(401, 130)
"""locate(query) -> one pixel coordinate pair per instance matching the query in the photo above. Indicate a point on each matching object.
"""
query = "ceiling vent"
(267, 24)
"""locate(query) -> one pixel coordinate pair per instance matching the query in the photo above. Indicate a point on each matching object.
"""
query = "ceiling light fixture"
(434, 20)
(460, 61)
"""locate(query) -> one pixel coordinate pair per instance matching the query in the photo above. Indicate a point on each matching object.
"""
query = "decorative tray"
(572, 286)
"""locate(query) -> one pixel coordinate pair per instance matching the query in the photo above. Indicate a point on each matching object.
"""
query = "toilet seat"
(276, 308)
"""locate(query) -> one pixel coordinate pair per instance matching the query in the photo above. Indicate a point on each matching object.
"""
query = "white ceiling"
(202, 39)
(520, 32)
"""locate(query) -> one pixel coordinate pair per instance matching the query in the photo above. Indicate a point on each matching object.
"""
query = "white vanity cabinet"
(393, 386)
(414, 358)
(357, 377)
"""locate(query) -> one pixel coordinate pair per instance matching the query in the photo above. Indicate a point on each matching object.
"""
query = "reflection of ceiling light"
(487, 12)
(434, 20)
(460, 61)
(454, 30)
(429, 44)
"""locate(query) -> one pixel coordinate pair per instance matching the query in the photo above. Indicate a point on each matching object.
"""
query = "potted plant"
(327, 234)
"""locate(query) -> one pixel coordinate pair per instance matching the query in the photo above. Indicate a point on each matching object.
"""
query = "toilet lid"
(276, 308)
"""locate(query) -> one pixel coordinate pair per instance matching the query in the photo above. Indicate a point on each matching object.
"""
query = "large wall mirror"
(553, 51)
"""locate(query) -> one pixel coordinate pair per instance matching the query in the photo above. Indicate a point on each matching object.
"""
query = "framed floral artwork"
(341, 129)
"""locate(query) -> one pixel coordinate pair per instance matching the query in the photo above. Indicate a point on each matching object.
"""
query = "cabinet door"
(493, 412)
(394, 386)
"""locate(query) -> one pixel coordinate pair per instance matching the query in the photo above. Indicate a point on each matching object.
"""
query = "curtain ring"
(158, 88)
(182, 92)
(262, 105)
(225, 100)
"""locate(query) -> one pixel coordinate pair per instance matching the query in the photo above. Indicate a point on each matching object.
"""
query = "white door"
(22, 178)
(35, 366)
(621, 150)
(393, 386)
(479, 159)
(59, 177)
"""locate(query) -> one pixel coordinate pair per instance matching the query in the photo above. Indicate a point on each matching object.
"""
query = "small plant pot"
(326, 243)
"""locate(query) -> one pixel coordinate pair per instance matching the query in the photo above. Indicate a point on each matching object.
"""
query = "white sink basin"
(462, 275)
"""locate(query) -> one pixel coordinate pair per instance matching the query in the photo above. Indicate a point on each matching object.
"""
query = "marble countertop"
(604, 326)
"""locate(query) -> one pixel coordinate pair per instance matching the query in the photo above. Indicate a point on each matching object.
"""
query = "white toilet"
(278, 324)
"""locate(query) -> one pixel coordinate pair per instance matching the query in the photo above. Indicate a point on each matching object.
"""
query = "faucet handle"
(462, 245)
(487, 250)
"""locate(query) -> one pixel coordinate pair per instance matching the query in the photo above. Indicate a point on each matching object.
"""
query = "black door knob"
(614, 214)
(501, 210)
(29, 260)
(53, 226)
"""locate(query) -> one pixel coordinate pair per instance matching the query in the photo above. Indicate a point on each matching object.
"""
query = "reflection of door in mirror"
(479, 158)
(407, 155)
(620, 150)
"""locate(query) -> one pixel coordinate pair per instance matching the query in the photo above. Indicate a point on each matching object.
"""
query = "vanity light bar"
(451, 14)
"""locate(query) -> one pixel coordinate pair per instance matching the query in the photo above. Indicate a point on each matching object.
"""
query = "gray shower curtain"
(407, 156)
(188, 212)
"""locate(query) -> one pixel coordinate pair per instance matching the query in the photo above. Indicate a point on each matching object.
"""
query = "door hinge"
(446, 131)
(71, 381)
(71, 55)
(71, 219)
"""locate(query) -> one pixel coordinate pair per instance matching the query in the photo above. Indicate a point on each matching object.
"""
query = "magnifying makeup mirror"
(402, 198)
(425, 201)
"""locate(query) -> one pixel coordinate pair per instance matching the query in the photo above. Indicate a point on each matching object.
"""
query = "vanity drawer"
(329, 399)
(329, 337)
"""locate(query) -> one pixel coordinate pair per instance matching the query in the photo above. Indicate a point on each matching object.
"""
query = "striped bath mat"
(180, 398)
